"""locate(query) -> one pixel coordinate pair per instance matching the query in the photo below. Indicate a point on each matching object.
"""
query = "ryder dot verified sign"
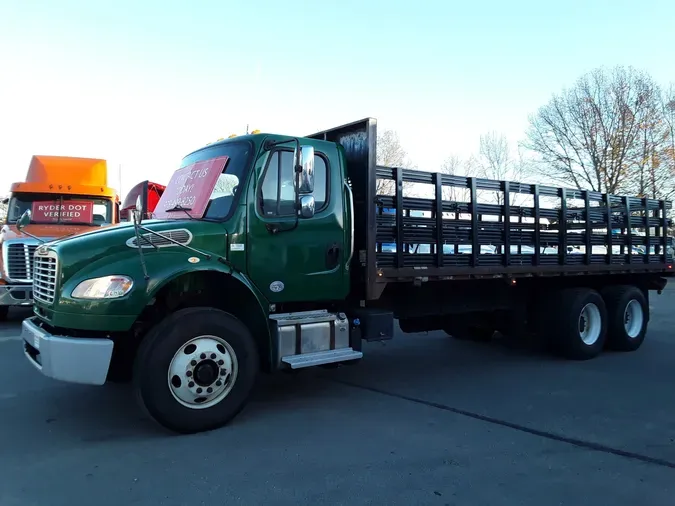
(75, 211)
(190, 188)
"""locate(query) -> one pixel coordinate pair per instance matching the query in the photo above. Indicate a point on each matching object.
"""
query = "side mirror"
(138, 210)
(24, 221)
(305, 159)
(307, 205)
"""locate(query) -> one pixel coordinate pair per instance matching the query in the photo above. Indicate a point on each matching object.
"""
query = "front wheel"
(194, 371)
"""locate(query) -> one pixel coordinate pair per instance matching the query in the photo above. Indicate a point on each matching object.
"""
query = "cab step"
(321, 357)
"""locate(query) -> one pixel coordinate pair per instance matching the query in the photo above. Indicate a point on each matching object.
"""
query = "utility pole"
(246, 128)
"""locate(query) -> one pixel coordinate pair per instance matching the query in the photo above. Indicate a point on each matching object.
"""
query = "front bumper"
(16, 295)
(75, 360)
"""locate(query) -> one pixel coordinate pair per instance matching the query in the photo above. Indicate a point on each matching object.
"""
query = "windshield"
(50, 208)
(199, 190)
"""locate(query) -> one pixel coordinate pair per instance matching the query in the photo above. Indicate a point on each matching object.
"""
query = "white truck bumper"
(16, 295)
(71, 359)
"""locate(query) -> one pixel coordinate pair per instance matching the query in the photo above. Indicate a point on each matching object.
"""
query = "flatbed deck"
(443, 237)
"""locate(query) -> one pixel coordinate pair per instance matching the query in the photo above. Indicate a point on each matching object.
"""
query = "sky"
(143, 83)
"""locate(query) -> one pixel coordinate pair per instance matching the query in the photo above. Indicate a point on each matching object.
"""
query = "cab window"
(277, 196)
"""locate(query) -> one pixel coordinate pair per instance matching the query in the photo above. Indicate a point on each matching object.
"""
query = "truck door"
(301, 260)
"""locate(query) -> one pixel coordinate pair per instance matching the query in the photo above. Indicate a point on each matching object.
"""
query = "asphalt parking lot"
(423, 419)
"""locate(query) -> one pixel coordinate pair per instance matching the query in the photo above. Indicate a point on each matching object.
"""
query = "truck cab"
(65, 196)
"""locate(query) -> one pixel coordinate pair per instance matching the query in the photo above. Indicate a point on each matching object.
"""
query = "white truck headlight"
(107, 287)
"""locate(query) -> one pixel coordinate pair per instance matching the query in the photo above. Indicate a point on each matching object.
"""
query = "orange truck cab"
(66, 196)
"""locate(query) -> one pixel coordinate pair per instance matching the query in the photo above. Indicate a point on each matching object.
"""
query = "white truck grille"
(19, 261)
(45, 269)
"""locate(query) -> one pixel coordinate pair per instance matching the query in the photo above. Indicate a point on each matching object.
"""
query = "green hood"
(90, 250)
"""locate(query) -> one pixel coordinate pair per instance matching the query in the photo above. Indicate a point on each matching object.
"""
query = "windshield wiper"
(178, 208)
(187, 210)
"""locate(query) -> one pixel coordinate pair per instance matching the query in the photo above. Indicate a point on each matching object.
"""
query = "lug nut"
(188, 374)
(209, 390)
(213, 356)
(199, 390)
(202, 356)
(193, 362)
(221, 362)
(218, 383)
(191, 384)
(223, 372)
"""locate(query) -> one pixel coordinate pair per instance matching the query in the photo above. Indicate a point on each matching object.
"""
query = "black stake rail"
(589, 226)
(475, 239)
(645, 206)
(428, 231)
(399, 218)
(507, 223)
(438, 182)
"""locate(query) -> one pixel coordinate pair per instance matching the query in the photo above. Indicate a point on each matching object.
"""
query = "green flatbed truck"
(270, 252)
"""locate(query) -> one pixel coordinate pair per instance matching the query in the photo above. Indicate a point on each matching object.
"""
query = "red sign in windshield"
(190, 188)
(68, 211)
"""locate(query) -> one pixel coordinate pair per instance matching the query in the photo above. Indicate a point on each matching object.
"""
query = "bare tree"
(496, 161)
(587, 136)
(455, 166)
(652, 174)
(390, 153)
(668, 109)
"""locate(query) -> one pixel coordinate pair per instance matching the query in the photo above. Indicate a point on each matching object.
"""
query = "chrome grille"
(19, 261)
(45, 269)
(181, 235)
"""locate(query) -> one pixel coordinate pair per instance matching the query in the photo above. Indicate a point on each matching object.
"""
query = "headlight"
(107, 287)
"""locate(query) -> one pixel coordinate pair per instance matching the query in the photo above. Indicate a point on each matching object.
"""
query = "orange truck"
(65, 195)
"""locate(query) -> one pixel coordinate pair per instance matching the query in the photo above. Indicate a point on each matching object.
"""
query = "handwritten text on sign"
(68, 211)
(191, 188)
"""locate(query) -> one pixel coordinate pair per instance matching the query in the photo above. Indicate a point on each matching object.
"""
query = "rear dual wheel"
(580, 322)
(194, 371)
(575, 323)
(628, 316)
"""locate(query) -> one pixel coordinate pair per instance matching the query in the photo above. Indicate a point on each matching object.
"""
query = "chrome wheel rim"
(590, 324)
(202, 372)
(633, 318)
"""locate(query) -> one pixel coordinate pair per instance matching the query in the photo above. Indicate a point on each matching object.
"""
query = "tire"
(627, 317)
(576, 323)
(4, 311)
(178, 407)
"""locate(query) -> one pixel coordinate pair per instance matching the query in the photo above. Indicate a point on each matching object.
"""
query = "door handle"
(332, 256)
